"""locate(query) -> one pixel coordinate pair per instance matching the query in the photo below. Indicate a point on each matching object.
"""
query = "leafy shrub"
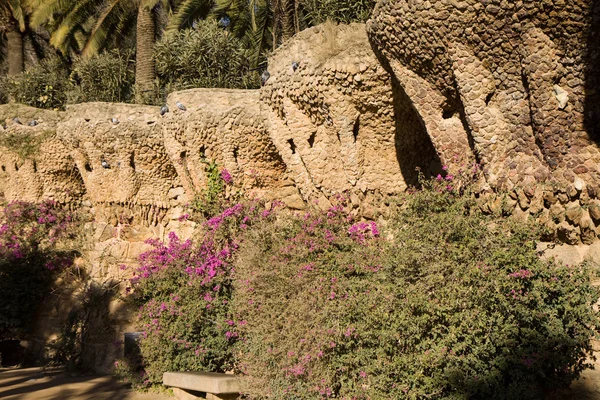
(43, 86)
(211, 200)
(108, 77)
(207, 56)
(443, 303)
(183, 290)
(345, 11)
(30, 255)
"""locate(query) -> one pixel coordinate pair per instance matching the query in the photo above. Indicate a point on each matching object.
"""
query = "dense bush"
(443, 303)
(346, 11)
(183, 290)
(207, 56)
(30, 255)
(108, 77)
(43, 86)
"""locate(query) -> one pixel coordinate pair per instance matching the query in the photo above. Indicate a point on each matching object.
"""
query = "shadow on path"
(34, 384)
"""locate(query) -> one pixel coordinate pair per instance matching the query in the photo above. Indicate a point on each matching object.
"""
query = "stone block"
(185, 395)
(208, 382)
(594, 209)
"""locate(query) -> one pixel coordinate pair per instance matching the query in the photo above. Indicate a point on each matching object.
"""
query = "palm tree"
(101, 21)
(12, 23)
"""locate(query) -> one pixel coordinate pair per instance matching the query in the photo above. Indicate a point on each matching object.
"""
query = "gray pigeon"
(265, 77)
(105, 164)
(16, 120)
(33, 122)
(164, 109)
(180, 106)
(295, 65)
(114, 121)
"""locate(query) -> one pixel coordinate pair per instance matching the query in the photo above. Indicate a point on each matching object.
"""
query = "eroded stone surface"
(515, 73)
(333, 119)
(34, 163)
(223, 126)
(121, 160)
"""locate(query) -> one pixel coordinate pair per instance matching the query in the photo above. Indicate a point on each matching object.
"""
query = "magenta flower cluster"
(30, 228)
(226, 176)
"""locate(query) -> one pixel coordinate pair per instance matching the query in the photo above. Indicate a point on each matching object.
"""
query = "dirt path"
(33, 384)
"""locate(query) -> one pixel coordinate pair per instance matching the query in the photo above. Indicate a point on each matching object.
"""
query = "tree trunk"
(145, 72)
(15, 50)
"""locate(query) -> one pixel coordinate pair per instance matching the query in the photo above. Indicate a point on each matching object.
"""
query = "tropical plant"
(345, 11)
(206, 56)
(94, 25)
(109, 77)
(260, 24)
(43, 86)
(251, 22)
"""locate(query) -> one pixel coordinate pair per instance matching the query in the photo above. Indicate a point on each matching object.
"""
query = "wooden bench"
(198, 385)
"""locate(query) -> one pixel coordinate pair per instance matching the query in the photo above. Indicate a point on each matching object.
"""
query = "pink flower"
(226, 176)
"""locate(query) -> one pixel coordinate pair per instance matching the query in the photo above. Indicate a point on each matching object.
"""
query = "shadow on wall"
(87, 335)
(592, 77)
(414, 149)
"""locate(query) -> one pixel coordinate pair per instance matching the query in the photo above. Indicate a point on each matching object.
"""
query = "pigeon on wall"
(265, 77)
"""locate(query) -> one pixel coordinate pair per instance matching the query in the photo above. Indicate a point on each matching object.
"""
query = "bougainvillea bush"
(183, 290)
(32, 251)
(443, 302)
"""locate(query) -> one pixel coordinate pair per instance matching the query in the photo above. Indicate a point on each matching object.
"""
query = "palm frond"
(82, 11)
(112, 16)
(16, 8)
(187, 12)
(44, 11)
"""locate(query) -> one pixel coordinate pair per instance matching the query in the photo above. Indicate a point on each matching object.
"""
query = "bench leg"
(210, 396)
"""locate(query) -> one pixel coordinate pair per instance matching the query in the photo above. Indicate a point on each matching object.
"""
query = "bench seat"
(207, 382)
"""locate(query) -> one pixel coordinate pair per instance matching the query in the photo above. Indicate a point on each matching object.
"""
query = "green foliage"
(210, 200)
(345, 11)
(24, 145)
(451, 304)
(207, 56)
(108, 77)
(30, 255)
(43, 86)
(183, 291)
